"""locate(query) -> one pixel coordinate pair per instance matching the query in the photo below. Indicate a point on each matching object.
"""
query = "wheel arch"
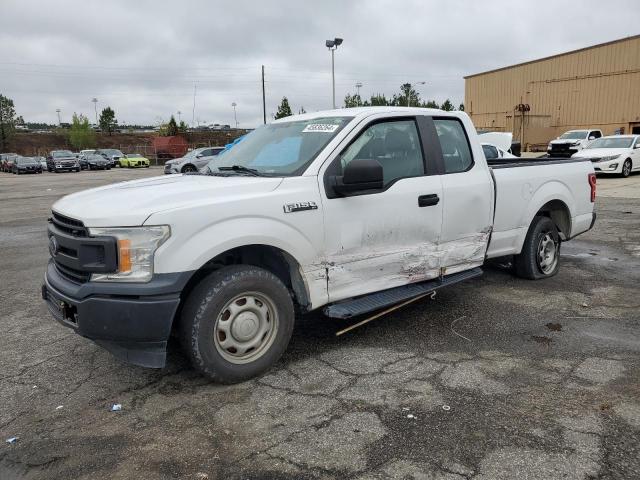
(560, 215)
(277, 261)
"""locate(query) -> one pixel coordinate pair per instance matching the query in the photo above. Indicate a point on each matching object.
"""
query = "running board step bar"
(375, 301)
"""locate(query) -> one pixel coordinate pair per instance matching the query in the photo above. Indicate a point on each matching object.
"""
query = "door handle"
(428, 200)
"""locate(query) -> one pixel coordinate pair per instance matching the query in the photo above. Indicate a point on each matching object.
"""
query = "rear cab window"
(456, 151)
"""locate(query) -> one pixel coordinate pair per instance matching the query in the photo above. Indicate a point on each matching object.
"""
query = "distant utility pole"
(264, 102)
(358, 85)
(193, 112)
(235, 118)
(179, 117)
(58, 112)
(95, 107)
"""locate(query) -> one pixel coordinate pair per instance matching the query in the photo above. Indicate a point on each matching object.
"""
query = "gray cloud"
(143, 58)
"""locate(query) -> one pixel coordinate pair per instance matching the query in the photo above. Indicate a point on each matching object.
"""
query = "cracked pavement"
(495, 378)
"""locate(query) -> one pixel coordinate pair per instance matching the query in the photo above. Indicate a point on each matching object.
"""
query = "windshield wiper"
(241, 168)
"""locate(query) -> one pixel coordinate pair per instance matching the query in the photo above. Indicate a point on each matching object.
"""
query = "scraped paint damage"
(369, 270)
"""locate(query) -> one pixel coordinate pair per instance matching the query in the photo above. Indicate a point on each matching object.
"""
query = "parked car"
(338, 209)
(619, 154)
(8, 161)
(43, 162)
(571, 142)
(192, 161)
(60, 160)
(97, 162)
(4, 157)
(134, 160)
(26, 165)
(111, 154)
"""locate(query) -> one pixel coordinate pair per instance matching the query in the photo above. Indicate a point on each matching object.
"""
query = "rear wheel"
(540, 256)
(237, 323)
(626, 168)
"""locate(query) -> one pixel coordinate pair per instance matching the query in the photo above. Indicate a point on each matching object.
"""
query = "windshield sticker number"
(320, 127)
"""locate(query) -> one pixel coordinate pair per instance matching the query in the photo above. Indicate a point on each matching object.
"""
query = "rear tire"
(540, 256)
(236, 323)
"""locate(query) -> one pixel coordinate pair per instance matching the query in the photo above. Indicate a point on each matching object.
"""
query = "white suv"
(192, 161)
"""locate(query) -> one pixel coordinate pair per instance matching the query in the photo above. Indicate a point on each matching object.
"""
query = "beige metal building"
(594, 87)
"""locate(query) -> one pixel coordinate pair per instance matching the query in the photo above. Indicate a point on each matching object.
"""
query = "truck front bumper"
(132, 321)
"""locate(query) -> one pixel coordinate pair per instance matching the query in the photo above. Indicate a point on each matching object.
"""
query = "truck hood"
(599, 152)
(501, 140)
(130, 203)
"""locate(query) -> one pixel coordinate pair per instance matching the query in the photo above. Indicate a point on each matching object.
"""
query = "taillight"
(592, 184)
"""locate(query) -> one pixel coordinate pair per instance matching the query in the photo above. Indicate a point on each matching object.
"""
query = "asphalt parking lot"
(496, 378)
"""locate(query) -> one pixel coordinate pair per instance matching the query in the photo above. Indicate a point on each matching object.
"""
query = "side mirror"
(637, 145)
(199, 155)
(592, 137)
(359, 175)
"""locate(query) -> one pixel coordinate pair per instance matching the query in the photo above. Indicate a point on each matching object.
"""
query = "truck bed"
(530, 162)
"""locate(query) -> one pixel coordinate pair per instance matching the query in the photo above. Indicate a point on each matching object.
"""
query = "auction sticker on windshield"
(320, 127)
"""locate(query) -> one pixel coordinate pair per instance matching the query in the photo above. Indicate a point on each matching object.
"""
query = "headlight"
(610, 157)
(549, 147)
(136, 247)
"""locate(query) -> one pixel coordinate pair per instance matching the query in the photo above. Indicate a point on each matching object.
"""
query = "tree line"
(406, 97)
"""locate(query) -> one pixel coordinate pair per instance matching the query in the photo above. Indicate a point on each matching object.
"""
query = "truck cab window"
(456, 153)
(490, 152)
(595, 134)
(395, 145)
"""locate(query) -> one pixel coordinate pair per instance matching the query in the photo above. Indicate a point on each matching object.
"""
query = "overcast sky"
(143, 58)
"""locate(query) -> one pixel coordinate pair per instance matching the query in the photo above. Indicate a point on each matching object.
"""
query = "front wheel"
(626, 168)
(237, 323)
(540, 256)
(188, 169)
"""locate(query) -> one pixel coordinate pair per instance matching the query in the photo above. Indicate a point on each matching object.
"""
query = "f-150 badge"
(299, 206)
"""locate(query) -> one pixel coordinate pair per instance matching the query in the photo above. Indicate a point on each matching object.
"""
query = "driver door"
(385, 238)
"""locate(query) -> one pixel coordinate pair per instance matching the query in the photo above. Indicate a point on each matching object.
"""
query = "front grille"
(69, 225)
(72, 274)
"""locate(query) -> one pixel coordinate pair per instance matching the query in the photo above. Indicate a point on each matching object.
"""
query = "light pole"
(235, 118)
(179, 117)
(95, 107)
(58, 112)
(358, 85)
(332, 45)
(409, 93)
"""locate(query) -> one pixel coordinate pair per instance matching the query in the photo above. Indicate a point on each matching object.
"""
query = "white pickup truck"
(571, 142)
(351, 210)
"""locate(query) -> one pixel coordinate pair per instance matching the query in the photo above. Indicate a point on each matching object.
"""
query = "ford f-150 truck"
(351, 210)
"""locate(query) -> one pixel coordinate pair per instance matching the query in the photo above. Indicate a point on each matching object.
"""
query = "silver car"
(192, 161)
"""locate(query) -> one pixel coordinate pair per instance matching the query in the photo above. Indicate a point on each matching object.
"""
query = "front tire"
(540, 256)
(626, 168)
(237, 323)
(188, 169)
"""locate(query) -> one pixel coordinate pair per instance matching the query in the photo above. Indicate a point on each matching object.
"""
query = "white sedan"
(619, 154)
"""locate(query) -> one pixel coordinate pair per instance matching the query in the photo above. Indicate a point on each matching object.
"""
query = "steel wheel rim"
(246, 327)
(626, 168)
(547, 254)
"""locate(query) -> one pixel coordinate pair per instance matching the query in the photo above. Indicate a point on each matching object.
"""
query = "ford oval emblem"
(53, 246)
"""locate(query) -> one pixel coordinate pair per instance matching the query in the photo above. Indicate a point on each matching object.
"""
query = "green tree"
(408, 97)
(447, 106)
(379, 100)
(182, 127)
(81, 135)
(351, 101)
(7, 121)
(302, 110)
(461, 107)
(284, 110)
(431, 104)
(107, 120)
(172, 127)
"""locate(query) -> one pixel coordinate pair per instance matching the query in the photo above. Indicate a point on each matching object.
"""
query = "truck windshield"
(611, 143)
(280, 149)
(575, 135)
